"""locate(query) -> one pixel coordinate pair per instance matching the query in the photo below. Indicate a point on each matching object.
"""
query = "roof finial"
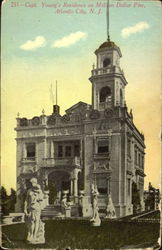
(107, 18)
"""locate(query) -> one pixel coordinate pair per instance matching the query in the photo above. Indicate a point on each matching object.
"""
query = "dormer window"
(105, 94)
(106, 62)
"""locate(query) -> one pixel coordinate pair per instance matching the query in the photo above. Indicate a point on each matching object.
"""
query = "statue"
(32, 209)
(110, 209)
(96, 221)
(66, 206)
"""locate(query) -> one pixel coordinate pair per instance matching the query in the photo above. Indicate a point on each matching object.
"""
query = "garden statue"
(96, 221)
(110, 208)
(66, 206)
(32, 209)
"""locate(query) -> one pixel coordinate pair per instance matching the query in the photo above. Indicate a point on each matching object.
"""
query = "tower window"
(103, 147)
(30, 150)
(106, 62)
(121, 97)
(105, 94)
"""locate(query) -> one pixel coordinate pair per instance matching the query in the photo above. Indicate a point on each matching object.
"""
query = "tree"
(12, 200)
(4, 201)
(7, 202)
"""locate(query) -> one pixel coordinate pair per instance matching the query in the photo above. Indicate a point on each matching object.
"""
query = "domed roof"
(108, 44)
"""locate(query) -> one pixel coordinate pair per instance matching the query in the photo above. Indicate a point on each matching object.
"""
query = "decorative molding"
(94, 114)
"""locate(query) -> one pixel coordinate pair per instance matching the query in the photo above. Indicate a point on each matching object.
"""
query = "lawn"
(79, 234)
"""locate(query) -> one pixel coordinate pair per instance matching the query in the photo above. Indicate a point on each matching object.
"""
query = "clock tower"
(108, 81)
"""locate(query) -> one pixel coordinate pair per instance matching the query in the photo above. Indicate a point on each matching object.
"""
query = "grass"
(61, 234)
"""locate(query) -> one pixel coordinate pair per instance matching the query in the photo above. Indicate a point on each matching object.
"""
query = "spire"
(56, 108)
(56, 92)
(107, 18)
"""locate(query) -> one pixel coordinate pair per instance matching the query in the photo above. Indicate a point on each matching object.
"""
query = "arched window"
(121, 97)
(104, 93)
(106, 62)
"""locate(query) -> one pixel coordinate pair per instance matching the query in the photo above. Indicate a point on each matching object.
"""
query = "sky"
(45, 41)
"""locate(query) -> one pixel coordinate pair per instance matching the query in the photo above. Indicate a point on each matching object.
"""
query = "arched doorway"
(58, 181)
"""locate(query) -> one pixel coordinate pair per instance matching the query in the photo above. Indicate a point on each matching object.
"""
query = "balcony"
(70, 161)
(100, 156)
(28, 165)
(28, 160)
(106, 70)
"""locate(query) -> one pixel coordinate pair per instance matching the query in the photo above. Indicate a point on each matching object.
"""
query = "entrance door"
(57, 182)
(65, 185)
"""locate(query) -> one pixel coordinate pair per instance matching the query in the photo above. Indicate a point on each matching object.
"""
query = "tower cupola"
(108, 81)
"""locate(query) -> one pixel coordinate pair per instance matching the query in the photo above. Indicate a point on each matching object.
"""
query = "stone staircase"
(52, 211)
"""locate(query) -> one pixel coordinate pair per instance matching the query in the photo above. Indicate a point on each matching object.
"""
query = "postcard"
(80, 124)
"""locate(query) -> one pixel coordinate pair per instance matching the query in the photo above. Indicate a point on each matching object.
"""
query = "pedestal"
(67, 212)
(7, 219)
(86, 207)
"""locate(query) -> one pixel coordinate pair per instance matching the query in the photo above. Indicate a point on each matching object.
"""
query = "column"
(24, 151)
(76, 187)
(52, 149)
(108, 185)
(71, 187)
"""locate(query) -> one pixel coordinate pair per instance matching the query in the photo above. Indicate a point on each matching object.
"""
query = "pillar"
(108, 185)
(52, 149)
(24, 151)
(71, 187)
(76, 187)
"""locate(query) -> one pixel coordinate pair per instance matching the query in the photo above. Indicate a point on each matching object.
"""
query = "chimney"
(56, 109)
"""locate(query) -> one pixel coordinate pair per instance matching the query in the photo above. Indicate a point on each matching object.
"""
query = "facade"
(90, 144)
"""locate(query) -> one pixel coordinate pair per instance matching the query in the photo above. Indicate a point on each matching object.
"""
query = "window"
(60, 151)
(142, 164)
(129, 147)
(121, 97)
(103, 147)
(106, 62)
(105, 94)
(139, 159)
(135, 156)
(76, 150)
(68, 151)
(30, 150)
(128, 187)
(101, 182)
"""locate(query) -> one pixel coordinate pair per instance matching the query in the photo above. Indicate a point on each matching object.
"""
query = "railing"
(27, 169)
(28, 160)
(101, 155)
(71, 161)
(107, 70)
(105, 105)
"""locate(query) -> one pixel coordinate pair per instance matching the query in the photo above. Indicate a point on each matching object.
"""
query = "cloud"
(138, 27)
(66, 41)
(39, 41)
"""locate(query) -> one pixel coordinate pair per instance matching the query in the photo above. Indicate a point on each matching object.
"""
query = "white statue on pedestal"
(32, 209)
(110, 208)
(96, 221)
